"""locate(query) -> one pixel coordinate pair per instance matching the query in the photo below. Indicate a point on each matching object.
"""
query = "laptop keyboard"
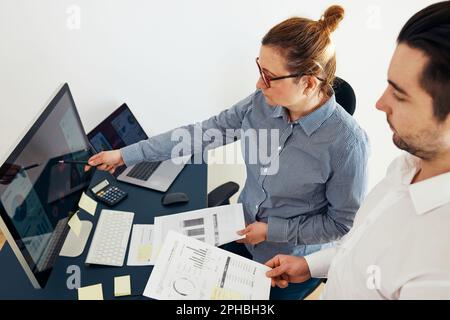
(144, 170)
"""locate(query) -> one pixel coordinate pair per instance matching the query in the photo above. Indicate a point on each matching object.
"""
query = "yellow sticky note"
(156, 252)
(75, 224)
(224, 294)
(144, 252)
(94, 292)
(122, 286)
(87, 204)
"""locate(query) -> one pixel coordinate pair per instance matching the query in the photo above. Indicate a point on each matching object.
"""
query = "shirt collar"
(313, 121)
(430, 194)
(426, 195)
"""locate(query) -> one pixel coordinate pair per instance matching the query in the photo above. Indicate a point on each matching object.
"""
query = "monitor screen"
(119, 130)
(37, 193)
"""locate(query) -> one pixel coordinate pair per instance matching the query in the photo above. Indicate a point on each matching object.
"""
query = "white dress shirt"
(399, 246)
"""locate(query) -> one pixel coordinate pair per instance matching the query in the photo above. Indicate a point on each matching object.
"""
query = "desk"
(145, 203)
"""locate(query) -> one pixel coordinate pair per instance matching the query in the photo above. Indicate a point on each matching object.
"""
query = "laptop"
(121, 129)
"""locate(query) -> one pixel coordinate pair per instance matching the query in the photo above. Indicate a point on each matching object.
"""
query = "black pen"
(31, 167)
(74, 162)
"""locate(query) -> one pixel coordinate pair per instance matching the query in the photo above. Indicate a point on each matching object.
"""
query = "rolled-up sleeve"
(195, 138)
(345, 191)
(319, 262)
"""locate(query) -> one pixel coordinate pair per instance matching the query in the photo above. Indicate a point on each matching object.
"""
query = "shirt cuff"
(319, 263)
(277, 230)
(132, 155)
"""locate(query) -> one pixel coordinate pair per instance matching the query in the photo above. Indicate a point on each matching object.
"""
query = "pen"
(73, 162)
(31, 167)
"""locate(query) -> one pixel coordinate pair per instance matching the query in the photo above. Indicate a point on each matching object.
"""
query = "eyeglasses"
(267, 80)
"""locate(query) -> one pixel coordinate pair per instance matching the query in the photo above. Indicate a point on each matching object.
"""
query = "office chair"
(221, 195)
(345, 96)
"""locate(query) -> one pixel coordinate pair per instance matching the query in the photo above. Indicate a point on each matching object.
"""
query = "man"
(399, 247)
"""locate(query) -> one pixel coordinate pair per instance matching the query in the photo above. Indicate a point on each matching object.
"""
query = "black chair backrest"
(345, 95)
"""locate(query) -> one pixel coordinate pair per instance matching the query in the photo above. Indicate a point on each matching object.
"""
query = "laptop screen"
(119, 130)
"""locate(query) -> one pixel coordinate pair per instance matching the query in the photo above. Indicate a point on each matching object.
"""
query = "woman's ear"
(310, 84)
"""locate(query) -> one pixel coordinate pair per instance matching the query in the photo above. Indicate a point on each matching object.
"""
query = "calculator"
(108, 194)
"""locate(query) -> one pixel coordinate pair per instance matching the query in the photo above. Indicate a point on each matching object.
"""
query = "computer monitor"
(37, 193)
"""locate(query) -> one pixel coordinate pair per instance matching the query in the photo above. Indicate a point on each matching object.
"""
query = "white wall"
(179, 61)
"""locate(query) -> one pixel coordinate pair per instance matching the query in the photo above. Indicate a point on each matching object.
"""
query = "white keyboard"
(110, 240)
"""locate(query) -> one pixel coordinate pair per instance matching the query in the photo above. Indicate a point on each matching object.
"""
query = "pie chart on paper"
(184, 286)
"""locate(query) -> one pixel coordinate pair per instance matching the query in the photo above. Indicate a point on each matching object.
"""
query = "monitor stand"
(74, 245)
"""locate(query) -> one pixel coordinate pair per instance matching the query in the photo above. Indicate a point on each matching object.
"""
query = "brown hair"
(306, 45)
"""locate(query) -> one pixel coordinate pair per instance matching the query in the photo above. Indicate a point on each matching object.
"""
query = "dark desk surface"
(145, 203)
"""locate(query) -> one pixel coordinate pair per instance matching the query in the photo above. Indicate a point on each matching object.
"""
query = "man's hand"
(255, 233)
(107, 161)
(288, 269)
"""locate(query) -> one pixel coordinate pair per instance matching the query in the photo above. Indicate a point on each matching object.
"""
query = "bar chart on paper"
(187, 268)
(198, 257)
(194, 228)
(216, 226)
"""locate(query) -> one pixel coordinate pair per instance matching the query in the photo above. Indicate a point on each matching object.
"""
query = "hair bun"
(332, 17)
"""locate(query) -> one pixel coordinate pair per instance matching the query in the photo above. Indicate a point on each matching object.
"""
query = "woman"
(317, 188)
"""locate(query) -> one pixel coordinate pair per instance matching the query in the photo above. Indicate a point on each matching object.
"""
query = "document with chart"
(216, 226)
(188, 269)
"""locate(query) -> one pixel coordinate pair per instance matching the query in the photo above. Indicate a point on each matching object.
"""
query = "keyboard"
(110, 240)
(144, 170)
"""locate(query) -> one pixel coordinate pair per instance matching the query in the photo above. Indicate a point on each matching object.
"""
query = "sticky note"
(156, 253)
(87, 204)
(75, 224)
(144, 252)
(122, 286)
(94, 292)
(224, 294)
